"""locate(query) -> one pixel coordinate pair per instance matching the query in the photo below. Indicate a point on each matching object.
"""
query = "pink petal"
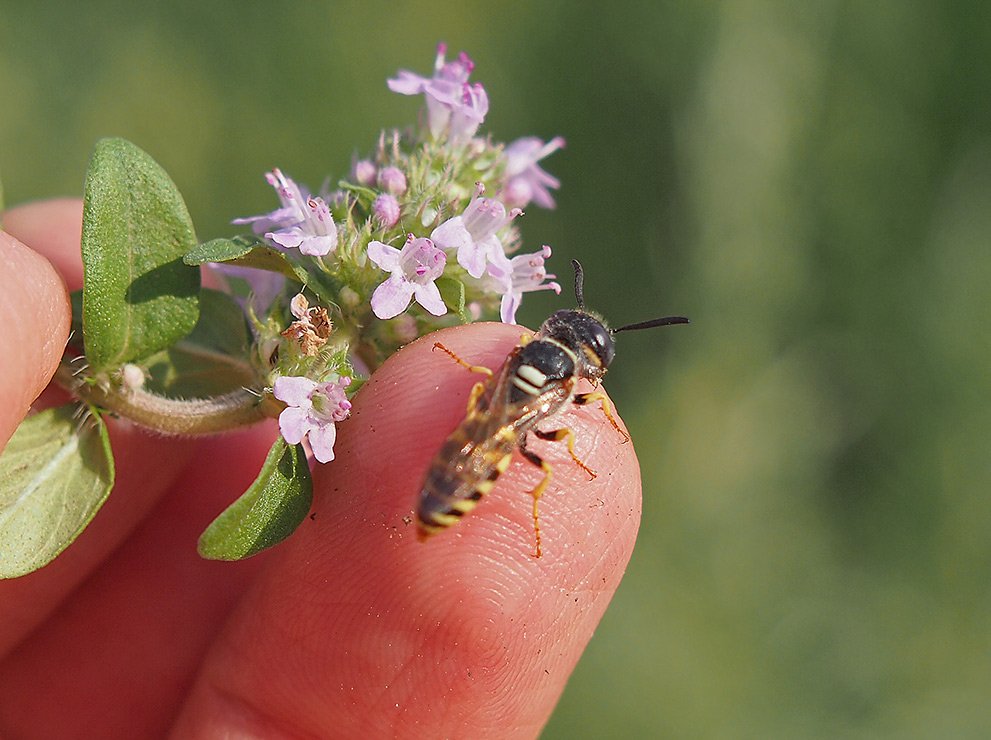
(289, 238)
(294, 390)
(500, 267)
(407, 83)
(507, 309)
(294, 423)
(491, 247)
(543, 198)
(518, 192)
(318, 246)
(322, 438)
(428, 296)
(438, 114)
(451, 234)
(392, 297)
(472, 257)
(384, 256)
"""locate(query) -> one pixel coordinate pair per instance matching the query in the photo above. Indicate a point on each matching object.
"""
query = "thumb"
(361, 630)
(34, 326)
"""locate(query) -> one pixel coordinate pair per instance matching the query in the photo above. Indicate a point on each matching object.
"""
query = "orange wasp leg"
(479, 388)
(474, 368)
(537, 492)
(556, 436)
(583, 399)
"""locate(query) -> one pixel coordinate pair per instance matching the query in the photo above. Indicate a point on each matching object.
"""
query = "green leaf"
(453, 293)
(245, 251)
(138, 296)
(2, 207)
(55, 473)
(76, 302)
(265, 514)
(211, 360)
(367, 195)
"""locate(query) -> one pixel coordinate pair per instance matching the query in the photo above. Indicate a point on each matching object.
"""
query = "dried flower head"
(312, 326)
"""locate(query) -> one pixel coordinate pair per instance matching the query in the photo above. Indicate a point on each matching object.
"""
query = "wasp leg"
(583, 399)
(539, 490)
(479, 388)
(476, 392)
(474, 368)
(556, 436)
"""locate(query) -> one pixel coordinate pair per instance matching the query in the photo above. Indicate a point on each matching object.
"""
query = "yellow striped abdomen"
(465, 470)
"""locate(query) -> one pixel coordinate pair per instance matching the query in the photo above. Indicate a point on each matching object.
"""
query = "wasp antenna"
(579, 283)
(664, 321)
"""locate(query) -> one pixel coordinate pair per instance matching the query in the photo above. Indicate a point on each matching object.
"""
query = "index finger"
(358, 628)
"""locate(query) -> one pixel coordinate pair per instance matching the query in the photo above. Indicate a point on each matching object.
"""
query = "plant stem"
(171, 415)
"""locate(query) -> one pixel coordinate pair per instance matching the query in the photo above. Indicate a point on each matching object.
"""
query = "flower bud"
(385, 210)
(392, 180)
(364, 172)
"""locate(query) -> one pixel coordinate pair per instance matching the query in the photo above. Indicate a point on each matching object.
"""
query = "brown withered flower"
(311, 328)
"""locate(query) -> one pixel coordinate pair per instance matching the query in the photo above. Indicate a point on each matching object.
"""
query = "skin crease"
(349, 628)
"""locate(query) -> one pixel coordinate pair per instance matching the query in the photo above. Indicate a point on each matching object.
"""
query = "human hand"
(351, 628)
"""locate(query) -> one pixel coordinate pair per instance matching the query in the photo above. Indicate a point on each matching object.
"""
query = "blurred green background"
(810, 182)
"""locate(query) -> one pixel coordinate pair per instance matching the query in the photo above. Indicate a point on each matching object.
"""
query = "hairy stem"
(171, 415)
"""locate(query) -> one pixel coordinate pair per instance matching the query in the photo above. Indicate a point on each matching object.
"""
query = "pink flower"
(414, 270)
(302, 222)
(523, 273)
(525, 180)
(312, 409)
(473, 233)
(454, 107)
(468, 115)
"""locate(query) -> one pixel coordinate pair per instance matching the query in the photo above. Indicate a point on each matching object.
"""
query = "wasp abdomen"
(446, 498)
(452, 490)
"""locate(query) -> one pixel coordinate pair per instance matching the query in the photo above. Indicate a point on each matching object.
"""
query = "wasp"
(537, 381)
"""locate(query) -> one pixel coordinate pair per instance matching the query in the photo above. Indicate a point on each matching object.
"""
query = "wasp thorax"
(586, 336)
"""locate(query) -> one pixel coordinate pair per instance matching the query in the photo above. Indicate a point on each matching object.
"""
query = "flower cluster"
(422, 234)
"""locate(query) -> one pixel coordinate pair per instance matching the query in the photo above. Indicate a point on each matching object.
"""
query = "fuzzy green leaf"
(138, 295)
(245, 251)
(265, 514)
(453, 293)
(212, 360)
(76, 302)
(55, 473)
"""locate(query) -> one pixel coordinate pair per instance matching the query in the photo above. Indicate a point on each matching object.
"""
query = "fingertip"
(52, 228)
(39, 248)
(466, 633)
(35, 316)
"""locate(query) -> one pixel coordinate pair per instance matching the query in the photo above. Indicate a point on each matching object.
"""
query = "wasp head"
(584, 335)
(587, 337)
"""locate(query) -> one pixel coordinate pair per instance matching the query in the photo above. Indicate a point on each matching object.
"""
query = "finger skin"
(35, 316)
(118, 658)
(145, 465)
(356, 629)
